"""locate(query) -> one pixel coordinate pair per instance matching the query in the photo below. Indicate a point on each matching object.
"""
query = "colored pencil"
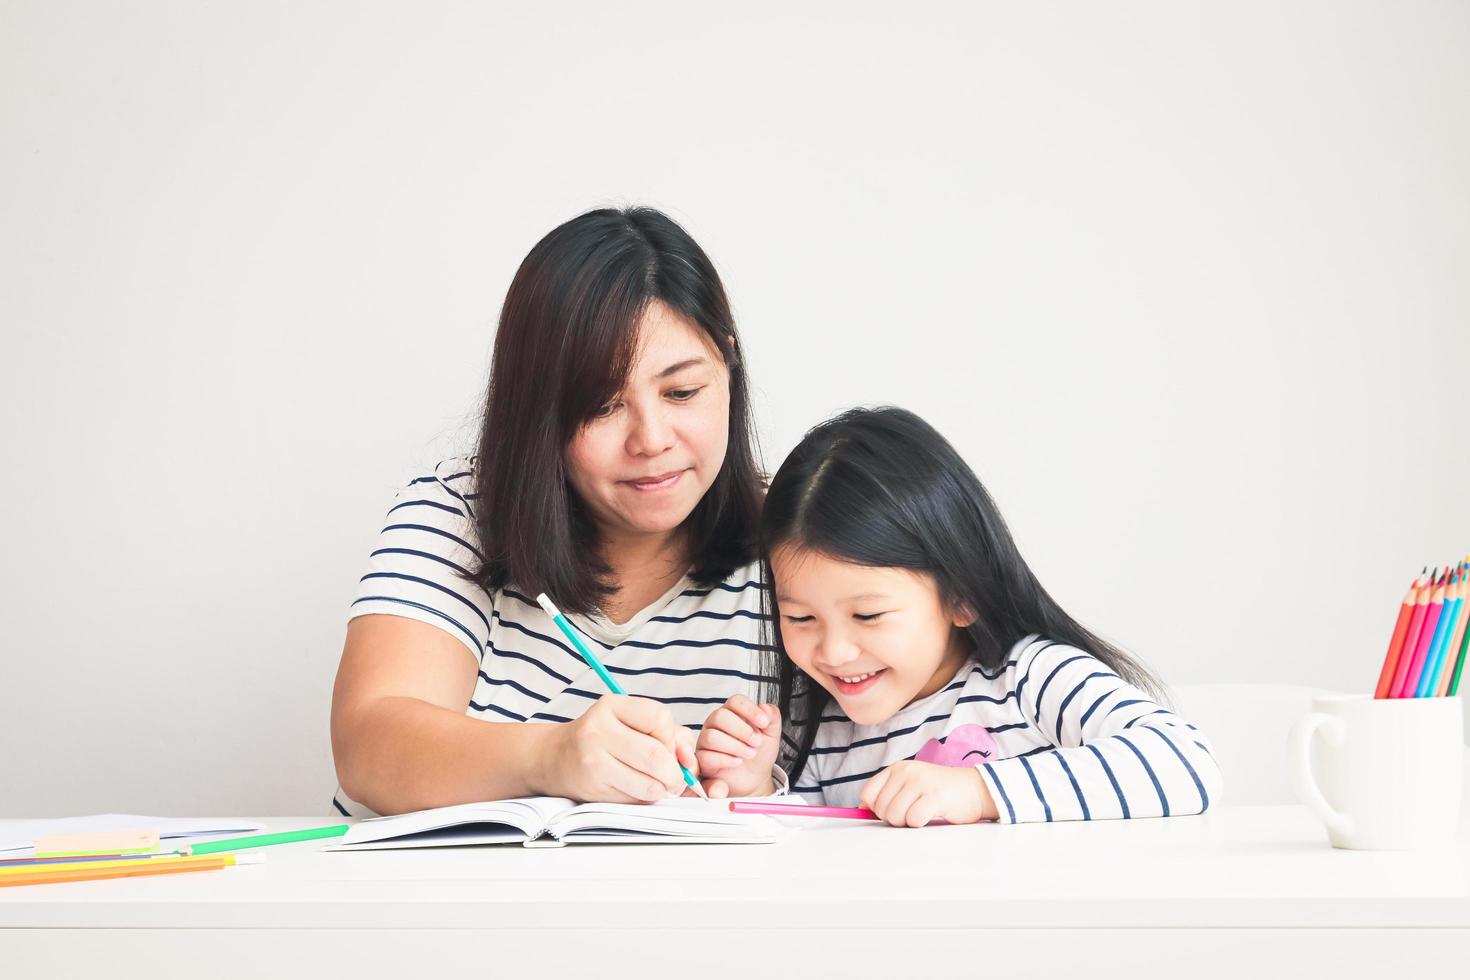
(1444, 664)
(1426, 638)
(566, 627)
(30, 862)
(129, 868)
(1455, 651)
(265, 840)
(802, 810)
(1396, 642)
(1441, 637)
(1460, 664)
(1411, 640)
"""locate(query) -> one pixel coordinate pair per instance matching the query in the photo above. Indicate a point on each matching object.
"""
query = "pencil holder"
(1382, 774)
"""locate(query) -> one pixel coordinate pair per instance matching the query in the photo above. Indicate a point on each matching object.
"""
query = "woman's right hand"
(737, 748)
(622, 750)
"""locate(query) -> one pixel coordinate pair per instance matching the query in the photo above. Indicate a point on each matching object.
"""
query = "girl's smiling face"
(877, 639)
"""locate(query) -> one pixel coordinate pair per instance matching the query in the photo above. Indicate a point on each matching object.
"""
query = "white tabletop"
(1261, 867)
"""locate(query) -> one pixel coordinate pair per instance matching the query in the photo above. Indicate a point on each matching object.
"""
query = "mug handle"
(1299, 751)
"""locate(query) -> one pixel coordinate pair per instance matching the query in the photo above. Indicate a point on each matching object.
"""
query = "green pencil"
(1460, 664)
(265, 840)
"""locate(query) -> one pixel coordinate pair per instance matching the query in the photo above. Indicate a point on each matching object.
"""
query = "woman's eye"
(605, 410)
(866, 617)
(684, 394)
(798, 619)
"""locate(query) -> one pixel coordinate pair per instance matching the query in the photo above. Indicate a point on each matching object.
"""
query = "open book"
(547, 821)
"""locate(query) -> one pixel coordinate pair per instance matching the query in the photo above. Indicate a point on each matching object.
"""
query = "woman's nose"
(651, 434)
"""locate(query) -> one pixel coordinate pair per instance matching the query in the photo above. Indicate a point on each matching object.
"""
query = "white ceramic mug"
(1384, 774)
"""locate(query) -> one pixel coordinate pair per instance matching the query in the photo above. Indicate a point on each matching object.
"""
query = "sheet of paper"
(18, 836)
(84, 845)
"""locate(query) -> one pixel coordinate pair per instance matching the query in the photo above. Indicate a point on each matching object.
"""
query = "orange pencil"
(1396, 643)
(1411, 640)
(1462, 591)
(131, 871)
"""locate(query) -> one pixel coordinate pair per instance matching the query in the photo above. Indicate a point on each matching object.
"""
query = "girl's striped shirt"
(1068, 739)
(690, 649)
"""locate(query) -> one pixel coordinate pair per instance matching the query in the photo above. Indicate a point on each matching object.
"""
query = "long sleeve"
(1118, 753)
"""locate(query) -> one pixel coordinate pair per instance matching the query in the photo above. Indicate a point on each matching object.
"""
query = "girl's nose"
(835, 650)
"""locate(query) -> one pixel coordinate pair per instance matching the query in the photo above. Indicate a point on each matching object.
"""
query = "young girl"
(923, 671)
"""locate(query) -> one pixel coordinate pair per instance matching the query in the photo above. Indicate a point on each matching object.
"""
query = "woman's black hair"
(566, 342)
(880, 487)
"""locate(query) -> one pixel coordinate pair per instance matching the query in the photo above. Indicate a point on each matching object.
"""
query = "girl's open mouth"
(851, 684)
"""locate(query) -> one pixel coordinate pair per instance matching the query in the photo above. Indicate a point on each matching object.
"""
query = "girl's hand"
(737, 748)
(911, 794)
(622, 750)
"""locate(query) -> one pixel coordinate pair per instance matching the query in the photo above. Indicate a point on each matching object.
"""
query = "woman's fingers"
(637, 786)
(648, 756)
(643, 715)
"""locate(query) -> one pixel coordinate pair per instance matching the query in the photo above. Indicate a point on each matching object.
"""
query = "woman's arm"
(400, 735)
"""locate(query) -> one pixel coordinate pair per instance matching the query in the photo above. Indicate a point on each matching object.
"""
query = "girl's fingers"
(921, 814)
(873, 788)
(773, 727)
(717, 789)
(753, 714)
(718, 741)
(729, 722)
(899, 804)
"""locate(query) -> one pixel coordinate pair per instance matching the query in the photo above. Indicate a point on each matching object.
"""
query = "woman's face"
(645, 461)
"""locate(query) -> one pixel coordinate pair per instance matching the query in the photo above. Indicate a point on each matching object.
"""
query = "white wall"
(1186, 283)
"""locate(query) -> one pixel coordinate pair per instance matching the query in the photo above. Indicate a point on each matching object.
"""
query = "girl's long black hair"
(880, 487)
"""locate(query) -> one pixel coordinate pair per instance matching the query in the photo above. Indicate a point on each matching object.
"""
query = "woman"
(616, 472)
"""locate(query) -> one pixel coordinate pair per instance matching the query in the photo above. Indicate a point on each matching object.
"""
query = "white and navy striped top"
(1056, 735)
(690, 649)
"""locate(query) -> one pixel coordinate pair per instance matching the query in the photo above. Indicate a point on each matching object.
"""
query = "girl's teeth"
(858, 679)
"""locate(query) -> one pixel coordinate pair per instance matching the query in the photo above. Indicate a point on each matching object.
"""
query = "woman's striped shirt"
(690, 649)
(1065, 738)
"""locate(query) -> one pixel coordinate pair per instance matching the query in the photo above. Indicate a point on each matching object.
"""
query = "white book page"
(468, 823)
(684, 818)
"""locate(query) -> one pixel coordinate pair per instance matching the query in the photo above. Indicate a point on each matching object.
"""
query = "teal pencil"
(612, 685)
(1439, 653)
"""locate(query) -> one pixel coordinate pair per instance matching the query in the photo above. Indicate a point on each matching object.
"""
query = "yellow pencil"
(109, 869)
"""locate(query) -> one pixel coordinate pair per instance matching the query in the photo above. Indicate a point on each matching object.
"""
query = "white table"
(1203, 896)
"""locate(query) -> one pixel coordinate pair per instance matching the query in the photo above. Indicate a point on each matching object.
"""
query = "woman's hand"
(622, 750)
(911, 794)
(737, 748)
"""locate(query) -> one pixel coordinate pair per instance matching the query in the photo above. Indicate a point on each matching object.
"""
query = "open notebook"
(547, 821)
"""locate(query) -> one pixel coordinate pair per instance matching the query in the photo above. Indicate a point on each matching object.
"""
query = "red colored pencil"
(1426, 636)
(1411, 640)
(1396, 643)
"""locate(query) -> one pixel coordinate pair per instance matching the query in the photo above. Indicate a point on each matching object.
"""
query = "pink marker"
(802, 810)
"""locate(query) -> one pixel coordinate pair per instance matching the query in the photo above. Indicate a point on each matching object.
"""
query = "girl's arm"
(1117, 753)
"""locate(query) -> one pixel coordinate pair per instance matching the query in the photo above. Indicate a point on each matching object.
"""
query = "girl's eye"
(684, 394)
(866, 617)
(797, 619)
(605, 410)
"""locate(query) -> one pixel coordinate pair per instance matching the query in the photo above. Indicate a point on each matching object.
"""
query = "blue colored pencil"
(561, 623)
